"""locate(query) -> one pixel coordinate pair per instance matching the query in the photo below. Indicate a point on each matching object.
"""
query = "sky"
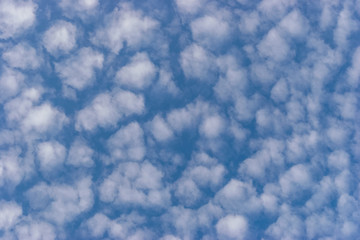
(179, 119)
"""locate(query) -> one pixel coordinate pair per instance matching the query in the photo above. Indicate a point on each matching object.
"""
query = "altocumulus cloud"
(179, 119)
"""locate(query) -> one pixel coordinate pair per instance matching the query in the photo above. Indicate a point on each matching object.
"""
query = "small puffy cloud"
(287, 226)
(160, 129)
(10, 83)
(249, 22)
(60, 38)
(239, 197)
(280, 91)
(138, 74)
(212, 126)
(81, 8)
(339, 160)
(135, 184)
(210, 31)
(124, 26)
(10, 213)
(295, 180)
(60, 203)
(197, 63)
(274, 46)
(128, 143)
(35, 230)
(166, 82)
(232, 227)
(43, 118)
(190, 6)
(78, 71)
(80, 155)
(354, 70)
(346, 25)
(108, 108)
(51, 155)
(294, 24)
(275, 8)
(22, 56)
(16, 17)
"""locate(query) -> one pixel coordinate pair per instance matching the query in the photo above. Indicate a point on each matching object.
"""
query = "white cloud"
(138, 74)
(232, 227)
(43, 118)
(81, 8)
(10, 83)
(80, 155)
(274, 46)
(135, 184)
(160, 129)
(295, 180)
(60, 203)
(190, 6)
(78, 71)
(354, 70)
(249, 22)
(197, 63)
(35, 230)
(210, 31)
(212, 126)
(51, 155)
(108, 108)
(166, 82)
(125, 26)
(239, 197)
(346, 25)
(346, 104)
(339, 160)
(280, 91)
(16, 17)
(275, 8)
(294, 24)
(127, 143)
(287, 226)
(10, 213)
(22, 56)
(60, 38)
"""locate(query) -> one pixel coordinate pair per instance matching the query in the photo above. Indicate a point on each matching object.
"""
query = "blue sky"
(181, 119)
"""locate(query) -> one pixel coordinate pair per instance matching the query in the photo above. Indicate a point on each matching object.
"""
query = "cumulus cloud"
(22, 56)
(108, 108)
(51, 156)
(197, 63)
(60, 38)
(135, 184)
(160, 129)
(81, 8)
(61, 203)
(16, 17)
(80, 155)
(188, 6)
(11, 82)
(128, 143)
(138, 74)
(232, 227)
(125, 26)
(79, 71)
(10, 213)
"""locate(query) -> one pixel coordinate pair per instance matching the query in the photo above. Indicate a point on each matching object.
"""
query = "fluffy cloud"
(11, 82)
(79, 70)
(197, 63)
(125, 26)
(10, 213)
(108, 108)
(232, 227)
(80, 154)
(81, 8)
(60, 38)
(128, 143)
(51, 156)
(138, 74)
(22, 56)
(16, 17)
(60, 203)
(160, 129)
(135, 184)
